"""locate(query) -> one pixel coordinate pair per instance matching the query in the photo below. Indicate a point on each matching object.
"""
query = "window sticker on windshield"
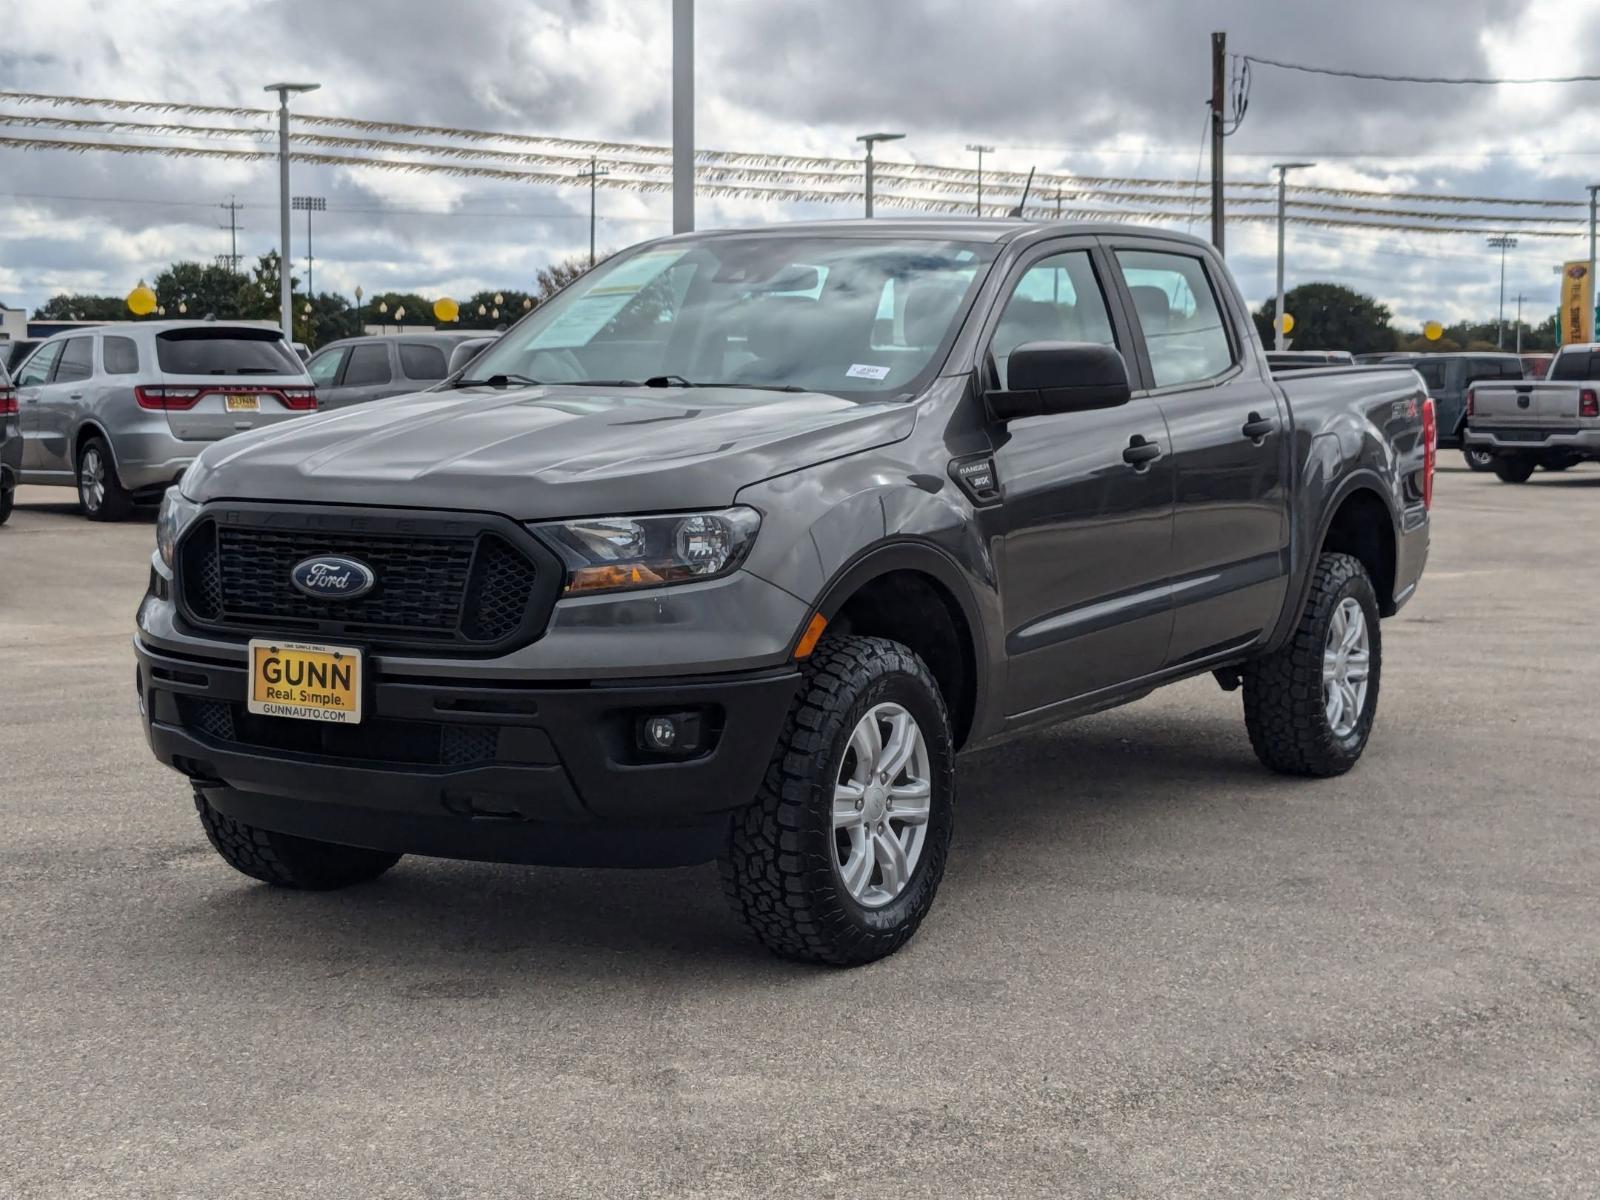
(587, 315)
(867, 371)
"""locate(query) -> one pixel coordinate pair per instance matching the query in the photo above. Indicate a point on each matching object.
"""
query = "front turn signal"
(812, 635)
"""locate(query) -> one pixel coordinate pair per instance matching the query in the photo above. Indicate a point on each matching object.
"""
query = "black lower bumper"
(537, 773)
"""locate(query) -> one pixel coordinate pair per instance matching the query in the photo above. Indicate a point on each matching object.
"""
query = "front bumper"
(525, 772)
(1534, 439)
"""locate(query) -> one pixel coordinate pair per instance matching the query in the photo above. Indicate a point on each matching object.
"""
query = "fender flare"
(89, 423)
(1360, 479)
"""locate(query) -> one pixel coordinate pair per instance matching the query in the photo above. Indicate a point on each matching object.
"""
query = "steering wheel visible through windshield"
(859, 316)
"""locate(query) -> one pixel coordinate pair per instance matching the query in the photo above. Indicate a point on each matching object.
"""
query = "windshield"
(849, 316)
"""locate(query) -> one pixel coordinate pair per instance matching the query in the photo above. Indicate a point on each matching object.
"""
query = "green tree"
(1328, 316)
(204, 289)
(79, 306)
(385, 308)
(258, 298)
(500, 307)
(557, 275)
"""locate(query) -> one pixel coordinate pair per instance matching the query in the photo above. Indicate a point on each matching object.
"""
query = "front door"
(1230, 528)
(31, 383)
(1086, 533)
(62, 401)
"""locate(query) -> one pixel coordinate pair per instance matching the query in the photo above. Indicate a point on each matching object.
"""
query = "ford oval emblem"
(332, 577)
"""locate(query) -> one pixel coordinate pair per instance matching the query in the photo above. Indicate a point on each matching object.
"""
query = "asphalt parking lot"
(1153, 970)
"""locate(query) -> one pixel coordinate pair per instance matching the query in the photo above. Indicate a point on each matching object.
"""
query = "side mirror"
(1060, 377)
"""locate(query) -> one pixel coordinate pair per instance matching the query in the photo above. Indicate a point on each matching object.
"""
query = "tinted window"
(1432, 372)
(368, 364)
(422, 362)
(225, 352)
(121, 356)
(1178, 312)
(1056, 300)
(77, 360)
(1572, 364)
(1491, 368)
(324, 368)
(38, 367)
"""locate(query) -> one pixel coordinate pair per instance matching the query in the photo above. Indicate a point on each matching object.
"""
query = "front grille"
(382, 740)
(440, 582)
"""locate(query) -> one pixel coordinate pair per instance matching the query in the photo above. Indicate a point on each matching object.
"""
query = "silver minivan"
(120, 411)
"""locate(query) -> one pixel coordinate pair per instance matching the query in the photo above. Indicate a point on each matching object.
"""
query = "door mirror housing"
(1060, 377)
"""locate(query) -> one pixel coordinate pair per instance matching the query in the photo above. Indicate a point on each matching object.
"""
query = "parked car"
(1305, 360)
(355, 370)
(10, 444)
(120, 412)
(1554, 424)
(743, 574)
(13, 352)
(465, 352)
(1447, 377)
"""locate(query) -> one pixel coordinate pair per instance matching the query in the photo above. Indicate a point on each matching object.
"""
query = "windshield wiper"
(499, 381)
(758, 387)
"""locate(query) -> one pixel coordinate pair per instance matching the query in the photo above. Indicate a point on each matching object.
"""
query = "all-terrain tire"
(109, 501)
(285, 861)
(1284, 708)
(780, 868)
(1514, 470)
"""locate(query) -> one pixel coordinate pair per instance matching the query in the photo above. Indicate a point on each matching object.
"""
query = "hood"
(550, 451)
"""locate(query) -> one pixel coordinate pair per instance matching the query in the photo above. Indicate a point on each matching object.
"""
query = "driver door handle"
(1257, 427)
(1141, 452)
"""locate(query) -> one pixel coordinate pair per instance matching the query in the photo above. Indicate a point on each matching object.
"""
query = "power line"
(1459, 80)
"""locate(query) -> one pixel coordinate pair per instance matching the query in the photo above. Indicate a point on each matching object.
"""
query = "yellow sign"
(310, 682)
(1433, 331)
(1288, 322)
(446, 309)
(141, 301)
(1577, 303)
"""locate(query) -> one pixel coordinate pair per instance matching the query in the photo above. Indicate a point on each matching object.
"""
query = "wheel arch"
(87, 428)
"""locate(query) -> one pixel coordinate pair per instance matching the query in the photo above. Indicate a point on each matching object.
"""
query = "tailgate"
(1527, 405)
(222, 409)
(223, 379)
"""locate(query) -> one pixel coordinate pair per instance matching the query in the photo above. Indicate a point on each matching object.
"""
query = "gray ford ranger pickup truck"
(726, 551)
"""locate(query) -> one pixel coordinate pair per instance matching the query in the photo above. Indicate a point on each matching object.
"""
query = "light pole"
(359, 327)
(981, 151)
(593, 175)
(1501, 242)
(1593, 188)
(682, 116)
(283, 90)
(1519, 322)
(872, 139)
(1282, 169)
(309, 205)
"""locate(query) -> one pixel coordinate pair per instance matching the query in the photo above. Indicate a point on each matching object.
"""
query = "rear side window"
(368, 364)
(1572, 364)
(1432, 372)
(1178, 312)
(121, 356)
(77, 360)
(422, 362)
(225, 352)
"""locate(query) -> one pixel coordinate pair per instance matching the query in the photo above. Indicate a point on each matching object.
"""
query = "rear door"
(237, 372)
(31, 382)
(1229, 566)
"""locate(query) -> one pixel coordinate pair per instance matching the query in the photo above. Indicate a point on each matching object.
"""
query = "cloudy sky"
(1109, 87)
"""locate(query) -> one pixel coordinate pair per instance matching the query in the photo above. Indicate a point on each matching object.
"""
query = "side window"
(37, 369)
(422, 362)
(1178, 312)
(120, 355)
(77, 360)
(1432, 372)
(1512, 368)
(1058, 299)
(324, 368)
(369, 363)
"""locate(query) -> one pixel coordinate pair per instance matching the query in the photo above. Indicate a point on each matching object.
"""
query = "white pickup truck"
(1553, 424)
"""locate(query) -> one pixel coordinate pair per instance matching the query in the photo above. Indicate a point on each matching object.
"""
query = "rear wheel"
(1479, 460)
(101, 495)
(1559, 462)
(7, 499)
(838, 859)
(1513, 469)
(285, 861)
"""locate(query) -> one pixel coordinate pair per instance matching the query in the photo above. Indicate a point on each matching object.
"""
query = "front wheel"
(1514, 470)
(1479, 460)
(1309, 706)
(285, 861)
(838, 858)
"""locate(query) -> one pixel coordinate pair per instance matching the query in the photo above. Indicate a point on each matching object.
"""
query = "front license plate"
(305, 681)
(244, 403)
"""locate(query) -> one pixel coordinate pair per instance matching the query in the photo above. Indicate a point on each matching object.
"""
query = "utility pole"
(1519, 322)
(1219, 61)
(1501, 242)
(1282, 169)
(285, 286)
(872, 139)
(232, 208)
(593, 174)
(981, 151)
(309, 205)
(682, 116)
(1594, 291)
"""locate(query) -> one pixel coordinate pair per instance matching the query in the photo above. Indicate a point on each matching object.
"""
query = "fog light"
(661, 733)
(673, 735)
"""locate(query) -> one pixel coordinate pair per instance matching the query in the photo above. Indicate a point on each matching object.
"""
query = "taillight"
(1430, 452)
(300, 399)
(166, 398)
(1471, 402)
(8, 402)
(1588, 403)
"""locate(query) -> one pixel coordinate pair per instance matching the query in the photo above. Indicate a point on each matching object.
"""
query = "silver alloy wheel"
(882, 800)
(1346, 664)
(92, 479)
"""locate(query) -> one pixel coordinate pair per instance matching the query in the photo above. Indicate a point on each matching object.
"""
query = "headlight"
(607, 554)
(177, 510)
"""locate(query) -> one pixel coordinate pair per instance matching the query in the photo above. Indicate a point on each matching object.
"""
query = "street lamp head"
(870, 138)
(309, 204)
(1291, 166)
(978, 148)
(283, 89)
